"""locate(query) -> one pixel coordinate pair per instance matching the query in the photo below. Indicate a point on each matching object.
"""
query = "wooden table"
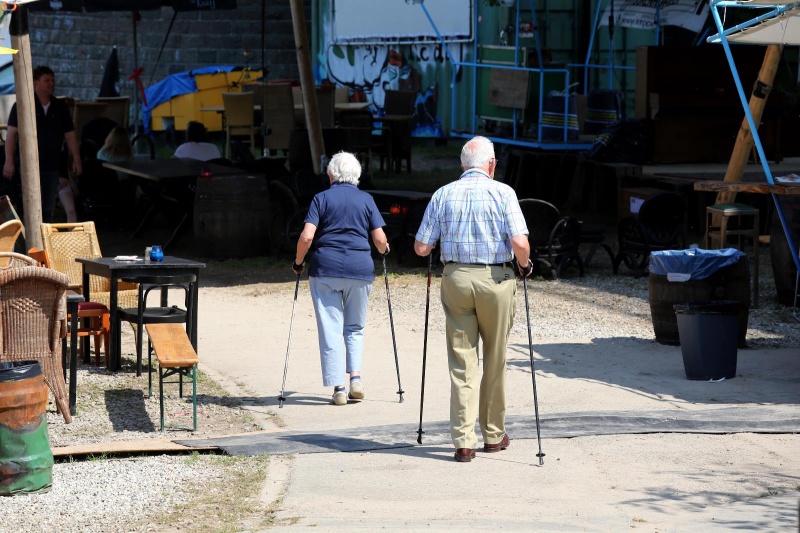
(781, 189)
(114, 270)
(168, 173)
(166, 169)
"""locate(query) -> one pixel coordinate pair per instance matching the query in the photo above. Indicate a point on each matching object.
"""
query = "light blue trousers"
(341, 308)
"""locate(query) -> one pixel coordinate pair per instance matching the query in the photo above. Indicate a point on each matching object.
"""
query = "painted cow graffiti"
(369, 70)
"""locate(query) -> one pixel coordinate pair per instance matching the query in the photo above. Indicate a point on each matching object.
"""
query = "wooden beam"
(744, 139)
(307, 85)
(26, 121)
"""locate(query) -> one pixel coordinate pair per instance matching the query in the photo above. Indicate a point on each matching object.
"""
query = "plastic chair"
(33, 314)
(163, 314)
(659, 225)
(96, 313)
(66, 242)
(238, 117)
(554, 239)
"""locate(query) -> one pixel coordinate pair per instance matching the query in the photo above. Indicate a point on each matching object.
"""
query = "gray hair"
(344, 168)
(477, 152)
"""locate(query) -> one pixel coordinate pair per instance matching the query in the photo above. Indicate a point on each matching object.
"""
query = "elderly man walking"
(480, 228)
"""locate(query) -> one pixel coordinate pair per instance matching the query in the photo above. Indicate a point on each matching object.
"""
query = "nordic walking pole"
(425, 348)
(540, 455)
(400, 390)
(282, 398)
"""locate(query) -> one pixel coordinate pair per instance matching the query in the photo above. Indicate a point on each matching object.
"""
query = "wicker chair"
(9, 232)
(33, 321)
(66, 242)
(15, 260)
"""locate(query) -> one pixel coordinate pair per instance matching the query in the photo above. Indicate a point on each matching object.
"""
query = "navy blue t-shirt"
(344, 217)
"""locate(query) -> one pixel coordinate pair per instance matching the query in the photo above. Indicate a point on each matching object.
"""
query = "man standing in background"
(54, 126)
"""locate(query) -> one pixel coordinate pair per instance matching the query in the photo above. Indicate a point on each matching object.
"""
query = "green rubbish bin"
(708, 333)
(26, 460)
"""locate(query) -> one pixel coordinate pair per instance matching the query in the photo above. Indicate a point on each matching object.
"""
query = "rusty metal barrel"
(26, 460)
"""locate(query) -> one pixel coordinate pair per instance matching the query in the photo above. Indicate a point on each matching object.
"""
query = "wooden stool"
(721, 232)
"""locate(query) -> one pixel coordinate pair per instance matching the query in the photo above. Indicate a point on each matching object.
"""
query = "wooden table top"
(160, 169)
(783, 189)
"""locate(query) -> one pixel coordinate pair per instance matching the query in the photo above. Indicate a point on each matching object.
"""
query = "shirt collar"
(470, 171)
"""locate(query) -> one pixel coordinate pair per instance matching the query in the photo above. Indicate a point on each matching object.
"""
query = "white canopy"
(778, 24)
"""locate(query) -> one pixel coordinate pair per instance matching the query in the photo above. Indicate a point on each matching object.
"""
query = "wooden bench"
(176, 356)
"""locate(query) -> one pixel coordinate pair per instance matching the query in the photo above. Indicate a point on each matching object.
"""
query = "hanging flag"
(641, 14)
(110, 84)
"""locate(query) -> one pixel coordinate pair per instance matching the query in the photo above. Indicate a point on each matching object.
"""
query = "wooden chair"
(117, 108)
(33, 314)
(326, 106)
(360, 124)
(238, 117)
(399, 106)
(97, 314)
(279, 116)
(66, 242)
(9, 232)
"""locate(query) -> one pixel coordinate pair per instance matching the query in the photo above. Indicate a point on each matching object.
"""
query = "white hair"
(477, 152)
(344, 168)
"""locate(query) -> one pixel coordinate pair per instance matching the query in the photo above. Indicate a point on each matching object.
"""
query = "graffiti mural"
(369, 70)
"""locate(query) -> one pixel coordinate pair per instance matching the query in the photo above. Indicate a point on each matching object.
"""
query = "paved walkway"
(630, 443)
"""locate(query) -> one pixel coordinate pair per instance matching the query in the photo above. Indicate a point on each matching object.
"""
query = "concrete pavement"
(718, 475)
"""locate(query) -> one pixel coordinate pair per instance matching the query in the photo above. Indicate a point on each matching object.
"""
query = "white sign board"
(641, 14)
(399, 20)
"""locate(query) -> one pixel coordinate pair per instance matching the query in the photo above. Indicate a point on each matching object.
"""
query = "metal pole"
(400, 390)
(540, 455)
(282, 398)
(425, 348)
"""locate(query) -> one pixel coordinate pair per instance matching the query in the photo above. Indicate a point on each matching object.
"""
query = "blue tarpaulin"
(695, 263)
(174, 85)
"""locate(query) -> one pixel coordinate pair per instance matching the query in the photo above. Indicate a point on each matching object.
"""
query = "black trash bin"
(708, 333)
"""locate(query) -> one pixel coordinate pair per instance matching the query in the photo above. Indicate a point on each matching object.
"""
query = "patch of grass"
(227, 502)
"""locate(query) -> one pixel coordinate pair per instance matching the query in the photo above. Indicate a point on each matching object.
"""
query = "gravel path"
(132, 494)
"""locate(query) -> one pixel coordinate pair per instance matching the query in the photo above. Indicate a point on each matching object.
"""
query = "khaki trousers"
(477, 300)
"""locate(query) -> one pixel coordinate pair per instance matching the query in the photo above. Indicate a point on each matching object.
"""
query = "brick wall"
(77, 46)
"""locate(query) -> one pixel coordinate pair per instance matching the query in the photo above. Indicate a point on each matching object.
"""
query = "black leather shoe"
(500, 446)
(464, 455)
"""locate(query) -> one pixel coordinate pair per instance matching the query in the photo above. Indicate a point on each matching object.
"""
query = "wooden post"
(26, 121)
(307, 84)
(744, 140)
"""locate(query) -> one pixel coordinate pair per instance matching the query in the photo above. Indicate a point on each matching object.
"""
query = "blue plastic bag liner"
(695, 263)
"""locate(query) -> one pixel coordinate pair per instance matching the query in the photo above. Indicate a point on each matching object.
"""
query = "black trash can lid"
(19, 370)
(721, 307)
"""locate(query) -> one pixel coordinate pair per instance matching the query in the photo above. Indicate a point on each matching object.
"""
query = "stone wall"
(77, 46)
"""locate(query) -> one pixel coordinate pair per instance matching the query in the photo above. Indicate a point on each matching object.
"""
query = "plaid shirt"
(474, 219)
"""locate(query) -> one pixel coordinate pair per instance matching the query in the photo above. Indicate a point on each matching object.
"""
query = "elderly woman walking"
(341, 271)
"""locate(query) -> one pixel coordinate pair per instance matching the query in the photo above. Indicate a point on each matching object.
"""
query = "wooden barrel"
(26, 461)
(232, 216)
(603, 108)
(729, 283)
(783, 267)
